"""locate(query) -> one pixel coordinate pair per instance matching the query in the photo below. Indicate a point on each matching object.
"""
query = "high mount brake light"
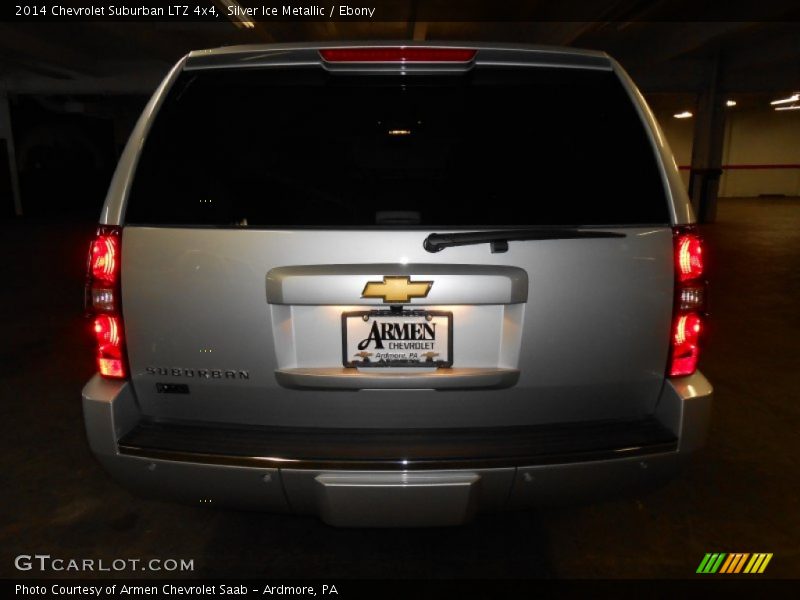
(689, 304)
(399, 54)
(103, 301)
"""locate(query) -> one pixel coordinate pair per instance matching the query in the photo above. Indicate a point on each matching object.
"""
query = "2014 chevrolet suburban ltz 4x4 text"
(395, 285)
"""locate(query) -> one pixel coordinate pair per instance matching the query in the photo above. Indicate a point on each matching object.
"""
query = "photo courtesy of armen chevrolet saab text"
(396, 285)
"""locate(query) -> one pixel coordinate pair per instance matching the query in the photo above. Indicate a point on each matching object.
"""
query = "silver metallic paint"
(590, 342)
(110, 411)
(333, 284)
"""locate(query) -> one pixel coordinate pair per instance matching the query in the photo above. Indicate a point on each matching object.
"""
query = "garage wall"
(755, 136)
(759, 137)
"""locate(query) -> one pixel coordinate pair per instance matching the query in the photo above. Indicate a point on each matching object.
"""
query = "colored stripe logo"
(736, 562)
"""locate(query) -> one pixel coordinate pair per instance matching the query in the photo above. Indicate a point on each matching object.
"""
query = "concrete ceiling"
(105, 57)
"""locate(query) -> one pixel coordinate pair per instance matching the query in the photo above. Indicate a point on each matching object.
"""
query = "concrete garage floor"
(741, 495)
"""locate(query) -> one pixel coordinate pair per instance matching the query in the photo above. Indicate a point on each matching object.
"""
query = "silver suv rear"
(395, 285)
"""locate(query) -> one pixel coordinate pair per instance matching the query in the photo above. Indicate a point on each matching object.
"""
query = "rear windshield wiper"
(499, 239)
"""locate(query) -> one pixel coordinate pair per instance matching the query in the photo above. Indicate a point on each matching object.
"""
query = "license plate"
(385, 338)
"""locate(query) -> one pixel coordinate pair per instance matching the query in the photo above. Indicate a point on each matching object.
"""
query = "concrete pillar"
(709, 137)
(6, 134)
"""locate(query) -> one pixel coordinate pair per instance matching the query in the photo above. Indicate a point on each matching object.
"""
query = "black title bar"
(264, 11)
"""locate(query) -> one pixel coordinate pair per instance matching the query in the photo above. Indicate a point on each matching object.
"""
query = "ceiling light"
(730, 103)
(793, 107)
(793, 98)
(683, 115)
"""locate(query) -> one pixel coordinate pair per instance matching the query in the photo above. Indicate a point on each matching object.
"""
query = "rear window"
(274, 148)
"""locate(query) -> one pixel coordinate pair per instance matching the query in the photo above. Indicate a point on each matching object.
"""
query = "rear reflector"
(102, 301)
(689, 305)
(401, 54)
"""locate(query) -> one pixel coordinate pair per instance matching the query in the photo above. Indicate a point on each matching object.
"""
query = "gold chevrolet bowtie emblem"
(396, 289)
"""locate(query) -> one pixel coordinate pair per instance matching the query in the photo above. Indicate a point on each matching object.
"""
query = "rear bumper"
(393, 478)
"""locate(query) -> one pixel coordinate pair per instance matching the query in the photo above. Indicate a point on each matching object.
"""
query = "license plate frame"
(430, 362)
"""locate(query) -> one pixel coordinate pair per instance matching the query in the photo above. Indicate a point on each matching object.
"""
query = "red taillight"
(689, 304)
(688, 256)
(103, 258)
(685, 344)
(103, 301)
(110, 355)
(399, 54)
